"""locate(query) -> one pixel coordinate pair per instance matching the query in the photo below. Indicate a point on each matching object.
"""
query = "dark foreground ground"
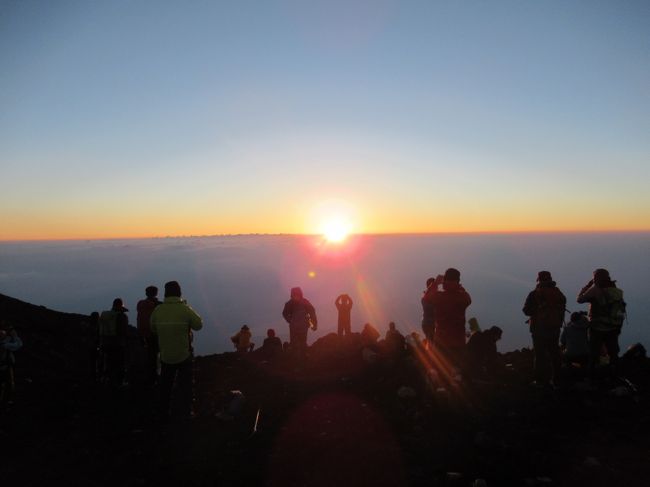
(337, 420)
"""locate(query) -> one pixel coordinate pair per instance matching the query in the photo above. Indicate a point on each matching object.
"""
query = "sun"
(336, 230)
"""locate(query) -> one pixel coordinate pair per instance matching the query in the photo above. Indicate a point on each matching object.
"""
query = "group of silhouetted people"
(584, 338)
(165, 330)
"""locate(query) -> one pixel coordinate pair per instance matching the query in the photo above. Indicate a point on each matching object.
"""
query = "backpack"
(108, 324)
(614, 308)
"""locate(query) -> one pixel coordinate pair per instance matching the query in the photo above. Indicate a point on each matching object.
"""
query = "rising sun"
(336, 231)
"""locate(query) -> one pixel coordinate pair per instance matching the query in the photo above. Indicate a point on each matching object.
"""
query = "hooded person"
(607, 312)
(545, 306)
(301, 315)
(450, 305)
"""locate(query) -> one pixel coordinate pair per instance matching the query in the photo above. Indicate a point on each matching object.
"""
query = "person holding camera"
(607, 312)
(344, 307)
(172, 322)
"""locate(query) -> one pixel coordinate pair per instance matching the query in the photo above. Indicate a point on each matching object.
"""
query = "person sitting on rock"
(482, 355)
(394, 342)
(272, 346)
(574, 340)
(242, 340)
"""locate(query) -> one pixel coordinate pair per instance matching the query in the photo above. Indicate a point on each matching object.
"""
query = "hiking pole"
(257, 420)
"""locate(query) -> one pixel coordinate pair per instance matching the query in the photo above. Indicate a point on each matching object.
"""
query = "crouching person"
(173, 322)
(574, 340)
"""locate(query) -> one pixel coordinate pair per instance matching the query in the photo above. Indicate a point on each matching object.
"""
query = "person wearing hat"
(242, 340)
(301, 315)
(173, 322)
(113, 325)
(450, 304)
(607, 311)
(545, 306)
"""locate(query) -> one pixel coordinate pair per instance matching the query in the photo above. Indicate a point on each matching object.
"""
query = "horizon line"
(364, 234)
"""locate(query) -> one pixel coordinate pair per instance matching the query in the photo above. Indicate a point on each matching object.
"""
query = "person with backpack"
(173, 322)
(607, 312)
(545, 307)
(343, 305)
(148, 339)
(301, 315)
(113, 325)
(9, 343)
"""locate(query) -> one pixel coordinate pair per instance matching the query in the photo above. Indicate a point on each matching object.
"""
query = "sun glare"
(336, 231)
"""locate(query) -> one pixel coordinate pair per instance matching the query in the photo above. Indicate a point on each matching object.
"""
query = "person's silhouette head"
(172, 289)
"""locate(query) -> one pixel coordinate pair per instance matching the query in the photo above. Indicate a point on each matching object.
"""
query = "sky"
(139, 119)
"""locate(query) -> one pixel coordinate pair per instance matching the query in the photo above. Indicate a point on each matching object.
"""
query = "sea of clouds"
(235, 280)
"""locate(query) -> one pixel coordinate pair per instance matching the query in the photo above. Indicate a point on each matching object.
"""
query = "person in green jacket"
(173, 322)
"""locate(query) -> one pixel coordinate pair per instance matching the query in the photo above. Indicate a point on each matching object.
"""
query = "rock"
(591, 462)
(406, 392)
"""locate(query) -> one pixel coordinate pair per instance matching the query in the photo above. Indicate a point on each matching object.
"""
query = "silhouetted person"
(575, 339)
(394, 341)
(149, 340)
(9, 343)
(272, 346)
(113, 325)
(607, 311)
(450, 305)
(301, 315)
(545, 306)
(242, 340)
(428, 311)
(173, 321)
(344, 306)
(482, 355)
(369, 336)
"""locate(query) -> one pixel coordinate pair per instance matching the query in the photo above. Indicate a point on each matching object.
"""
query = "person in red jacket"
(450, 304)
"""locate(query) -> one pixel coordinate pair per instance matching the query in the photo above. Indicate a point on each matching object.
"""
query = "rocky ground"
(333, 420)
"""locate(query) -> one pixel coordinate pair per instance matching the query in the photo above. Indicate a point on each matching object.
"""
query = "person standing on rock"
(607, 312)
(113, 326)
(428, 312)
(149, 340)
(344, 307)
(450, 304)
(545, 305)
(301, 315)
(173, 321)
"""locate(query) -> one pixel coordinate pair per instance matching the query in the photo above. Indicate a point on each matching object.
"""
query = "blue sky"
(501, 115)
